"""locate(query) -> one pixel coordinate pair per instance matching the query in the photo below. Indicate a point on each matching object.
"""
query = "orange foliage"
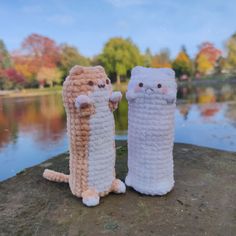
(48, 75)
(42, 50)
(24, 66)
(207, 57)
(36, 52)
(183, 57)
(161, 60)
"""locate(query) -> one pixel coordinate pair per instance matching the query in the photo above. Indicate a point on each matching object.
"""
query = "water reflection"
(205, 115)
(43, 115)
(33, 129)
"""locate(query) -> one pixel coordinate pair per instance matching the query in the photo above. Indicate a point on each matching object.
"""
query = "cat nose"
(149, 91)
(101, 84)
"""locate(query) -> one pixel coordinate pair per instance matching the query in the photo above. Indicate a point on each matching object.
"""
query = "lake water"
(33, 129)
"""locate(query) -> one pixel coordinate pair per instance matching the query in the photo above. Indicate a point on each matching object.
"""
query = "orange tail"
(55, 176)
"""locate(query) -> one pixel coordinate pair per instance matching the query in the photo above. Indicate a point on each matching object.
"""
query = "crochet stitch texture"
(151, 97)
(89, 102)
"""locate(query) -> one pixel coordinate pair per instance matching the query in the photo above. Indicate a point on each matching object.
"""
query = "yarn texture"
(89, 102)
(151, 97)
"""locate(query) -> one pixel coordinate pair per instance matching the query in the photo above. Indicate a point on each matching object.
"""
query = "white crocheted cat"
(152, 99)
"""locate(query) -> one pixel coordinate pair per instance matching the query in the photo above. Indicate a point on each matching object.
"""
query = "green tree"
(5, 63)
(219, 65)
(5, 60)
(230, 63)
(70, 56)
(147, 58)
(119, 56)
(182, 64)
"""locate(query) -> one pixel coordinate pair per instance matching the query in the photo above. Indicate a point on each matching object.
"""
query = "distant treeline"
(41, 62)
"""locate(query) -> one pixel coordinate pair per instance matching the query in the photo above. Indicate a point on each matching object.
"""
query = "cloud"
(126, 3)
(32, 9)
(60, 19)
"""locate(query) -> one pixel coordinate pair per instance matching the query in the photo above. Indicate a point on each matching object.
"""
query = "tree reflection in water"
(43, 115)
(33, 129)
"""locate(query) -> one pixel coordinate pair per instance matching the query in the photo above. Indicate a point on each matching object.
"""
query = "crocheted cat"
(89, 102)
(152, 99)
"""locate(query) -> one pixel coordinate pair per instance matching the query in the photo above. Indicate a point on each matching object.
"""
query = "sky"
(154, 24)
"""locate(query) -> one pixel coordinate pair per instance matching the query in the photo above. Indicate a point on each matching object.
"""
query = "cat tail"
(55, 176)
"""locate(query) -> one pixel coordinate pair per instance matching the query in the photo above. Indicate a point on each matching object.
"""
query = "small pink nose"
(164, 90)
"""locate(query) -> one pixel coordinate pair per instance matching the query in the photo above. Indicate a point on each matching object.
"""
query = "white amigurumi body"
(152, 100)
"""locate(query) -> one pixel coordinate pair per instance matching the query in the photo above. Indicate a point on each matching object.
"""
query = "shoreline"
(29, 92)
(122, 87)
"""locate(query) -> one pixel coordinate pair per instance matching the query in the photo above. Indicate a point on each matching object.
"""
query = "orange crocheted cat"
(89, 103)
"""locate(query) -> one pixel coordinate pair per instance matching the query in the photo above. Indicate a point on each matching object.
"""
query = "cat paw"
(116, 96)
(90, 198)
(127, 181)
(118, 186)
(82, 101)
(130, 96)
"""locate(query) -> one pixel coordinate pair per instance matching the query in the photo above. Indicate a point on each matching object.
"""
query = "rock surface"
(202, 202)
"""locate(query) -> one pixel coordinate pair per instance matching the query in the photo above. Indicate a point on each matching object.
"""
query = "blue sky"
(89, 24)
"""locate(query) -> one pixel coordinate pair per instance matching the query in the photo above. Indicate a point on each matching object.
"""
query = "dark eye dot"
(90, 83)
(107, 81)
(140, 85)
(159, 86)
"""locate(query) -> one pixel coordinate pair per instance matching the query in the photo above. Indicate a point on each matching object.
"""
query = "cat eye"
(159, 86)
(90, 83)
(107, 81)
(140, 85)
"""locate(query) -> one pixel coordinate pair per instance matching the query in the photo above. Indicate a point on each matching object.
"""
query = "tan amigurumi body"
(89, 103)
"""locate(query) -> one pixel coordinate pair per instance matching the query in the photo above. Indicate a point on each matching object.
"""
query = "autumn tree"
(119, 56)
(70, 56)
(9, 77)
(13, 79)
(230, 62)
(47, 75)
(207, 58)
(182, 64)
(162, 59)
(43, 50)
(25, 66)
(37, 52)
(203, 65)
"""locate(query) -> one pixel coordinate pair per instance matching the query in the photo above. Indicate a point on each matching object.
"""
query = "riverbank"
(202, 202)
(30, 92)
(121, 87)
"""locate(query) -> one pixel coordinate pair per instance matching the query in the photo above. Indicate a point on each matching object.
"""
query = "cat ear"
(99, 68)
(169, 72)
(76, 70)
(137, 70)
